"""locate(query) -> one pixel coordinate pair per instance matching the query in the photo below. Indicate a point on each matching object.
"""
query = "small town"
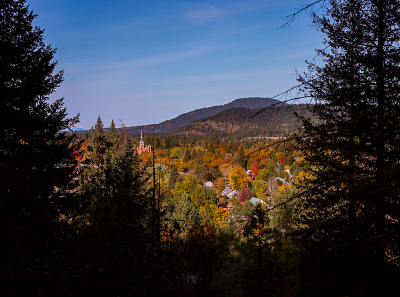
(200, 149)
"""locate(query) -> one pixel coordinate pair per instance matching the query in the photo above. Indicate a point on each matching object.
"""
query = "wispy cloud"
(228, 78)
(205, 14)
(136, 63)
(168, 58)
(208, 13)
(212, 78)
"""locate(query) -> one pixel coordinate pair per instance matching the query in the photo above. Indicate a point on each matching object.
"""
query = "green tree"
(193, 154)
(170, 142)
(36, 162)
(161, 175)
(264, 174)
(113, 133)
(173, 177)
(182, 210)
(282, 214)
(211, 148)
(175, 152)
(201, 171)
(99, 143)
(213, 140)
(202, 196)
(114, 221)
(186, 156)
(130, 199)
(288, 155)
(188, 185)
(269, 164)
(241, 159)
(353, 147)
(260, 188)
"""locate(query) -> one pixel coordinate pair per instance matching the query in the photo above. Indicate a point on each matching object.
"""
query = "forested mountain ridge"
(314, 215)
(174, 124)
(273, 121)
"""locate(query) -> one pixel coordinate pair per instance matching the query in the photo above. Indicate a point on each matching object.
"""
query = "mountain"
(174, 124)
(274, 121)
(73, 129)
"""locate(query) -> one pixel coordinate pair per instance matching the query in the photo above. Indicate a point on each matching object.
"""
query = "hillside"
(174, 124)
(278, 120)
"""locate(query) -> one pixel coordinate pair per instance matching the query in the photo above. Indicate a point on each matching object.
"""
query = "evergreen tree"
(113, 133)
(193, 154)
(173, 176)
(211, 148)
(35, 155)
(282, 218)
(99, 143)
(213, 140)
(352, 201)
(170, 141)
(186, 156)
(97, 180)
(115, 214)
(241, 159)
(181, 209)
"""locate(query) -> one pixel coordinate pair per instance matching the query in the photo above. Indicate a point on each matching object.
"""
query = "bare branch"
(291, 17)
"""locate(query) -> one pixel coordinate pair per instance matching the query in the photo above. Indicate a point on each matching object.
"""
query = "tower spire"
(141, 137)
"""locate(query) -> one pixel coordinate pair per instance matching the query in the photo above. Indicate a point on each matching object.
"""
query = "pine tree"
(115, 214)
(173, 176)
(36, 160)
(182, 210)
(113, 135)
(99, 143)
(97, 180)
(32, 146)
(351, 206)
(241, 159)
(186, 156)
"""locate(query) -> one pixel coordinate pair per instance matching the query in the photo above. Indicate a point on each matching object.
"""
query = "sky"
(142, 62)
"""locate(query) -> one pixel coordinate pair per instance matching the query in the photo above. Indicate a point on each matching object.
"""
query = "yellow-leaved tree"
(213, 215)
(238, 178)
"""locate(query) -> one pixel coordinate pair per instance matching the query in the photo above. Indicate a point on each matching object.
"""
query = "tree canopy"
(352, 198)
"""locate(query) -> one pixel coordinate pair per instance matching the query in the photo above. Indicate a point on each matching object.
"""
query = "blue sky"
(146, 61)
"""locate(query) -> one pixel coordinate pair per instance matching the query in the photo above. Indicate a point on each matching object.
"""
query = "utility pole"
(156, 221)
(260, 277)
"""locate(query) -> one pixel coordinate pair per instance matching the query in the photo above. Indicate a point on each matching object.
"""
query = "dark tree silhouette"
(35, 157)
(351, 207)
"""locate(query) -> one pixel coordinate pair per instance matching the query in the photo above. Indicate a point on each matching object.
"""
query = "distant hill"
(73, 129)
(174, 124)
(275, 120)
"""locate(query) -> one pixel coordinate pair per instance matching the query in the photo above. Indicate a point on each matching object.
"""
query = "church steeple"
(141, 138)
(142, 149)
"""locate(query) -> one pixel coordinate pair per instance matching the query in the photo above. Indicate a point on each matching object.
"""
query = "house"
(208, 185)
(225, 192)
(255, 201)
(229, 193)
(233, 194)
